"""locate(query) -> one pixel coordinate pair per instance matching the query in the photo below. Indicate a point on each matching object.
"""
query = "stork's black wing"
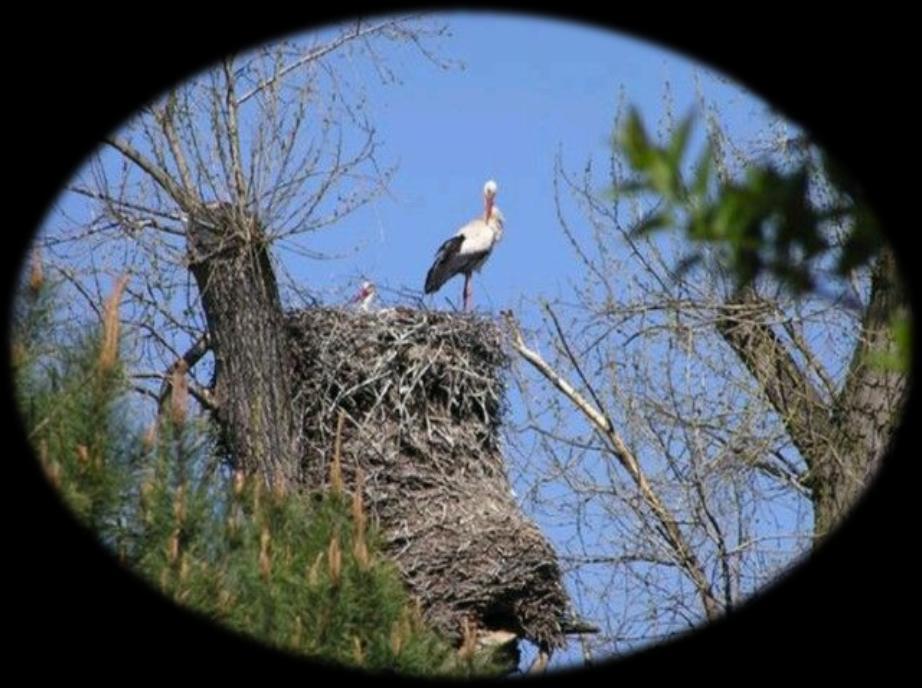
(444, 266)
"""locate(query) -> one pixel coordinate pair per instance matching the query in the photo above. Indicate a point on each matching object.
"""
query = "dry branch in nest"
(422, 394)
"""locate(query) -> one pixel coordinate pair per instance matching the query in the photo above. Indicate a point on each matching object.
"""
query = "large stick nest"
(423, 397)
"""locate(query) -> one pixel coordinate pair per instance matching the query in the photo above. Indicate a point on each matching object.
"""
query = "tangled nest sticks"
(422, 393)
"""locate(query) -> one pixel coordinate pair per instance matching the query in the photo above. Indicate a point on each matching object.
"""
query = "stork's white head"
(489, 193)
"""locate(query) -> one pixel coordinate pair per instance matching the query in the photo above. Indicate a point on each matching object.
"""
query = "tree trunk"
(842, 440)
(866, 411)
(253, 391)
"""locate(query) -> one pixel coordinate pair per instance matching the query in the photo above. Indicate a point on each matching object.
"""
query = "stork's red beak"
(488, 207)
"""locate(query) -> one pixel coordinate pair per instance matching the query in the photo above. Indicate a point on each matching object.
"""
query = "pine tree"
(303, 573)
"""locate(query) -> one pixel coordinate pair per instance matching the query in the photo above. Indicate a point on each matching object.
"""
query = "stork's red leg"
(467, 292)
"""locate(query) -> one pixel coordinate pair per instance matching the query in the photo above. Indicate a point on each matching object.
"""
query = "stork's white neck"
(496, 222)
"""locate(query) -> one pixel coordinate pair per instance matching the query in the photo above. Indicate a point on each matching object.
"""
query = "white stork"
(467, 250)
(365, 295)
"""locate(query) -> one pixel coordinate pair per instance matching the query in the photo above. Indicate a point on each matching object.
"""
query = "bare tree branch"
(312, 56)
(233, 138)
(165, 118)
(193, 355)
(159, 175)
(684, 554)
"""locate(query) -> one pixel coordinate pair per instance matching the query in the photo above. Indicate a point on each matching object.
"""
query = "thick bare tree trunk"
(252, 389)
(842, 440)
(866, 411)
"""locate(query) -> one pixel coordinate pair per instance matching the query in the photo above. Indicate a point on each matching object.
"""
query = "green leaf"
(688, 262)
(635, 142)
(726, 222)
(699, 226)
(629, 188)
(652, 223)
(862, 245)
(663, 176)
(679, 142)
(702, 174)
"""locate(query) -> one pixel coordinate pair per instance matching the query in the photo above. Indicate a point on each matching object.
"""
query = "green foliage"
(285, 569)
(299, 572)
(764, 223)
(67, 403)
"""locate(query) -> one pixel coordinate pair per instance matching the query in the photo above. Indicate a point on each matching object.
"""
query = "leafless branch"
(685, 556)
(156, 172)
(359, 32)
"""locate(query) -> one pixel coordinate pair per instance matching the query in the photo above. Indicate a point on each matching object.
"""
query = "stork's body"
(366, 294)
(469, 248)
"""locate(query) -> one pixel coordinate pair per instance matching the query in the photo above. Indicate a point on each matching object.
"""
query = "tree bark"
(866, 411)
(841, 440)
(802, 408)
(252, 390)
